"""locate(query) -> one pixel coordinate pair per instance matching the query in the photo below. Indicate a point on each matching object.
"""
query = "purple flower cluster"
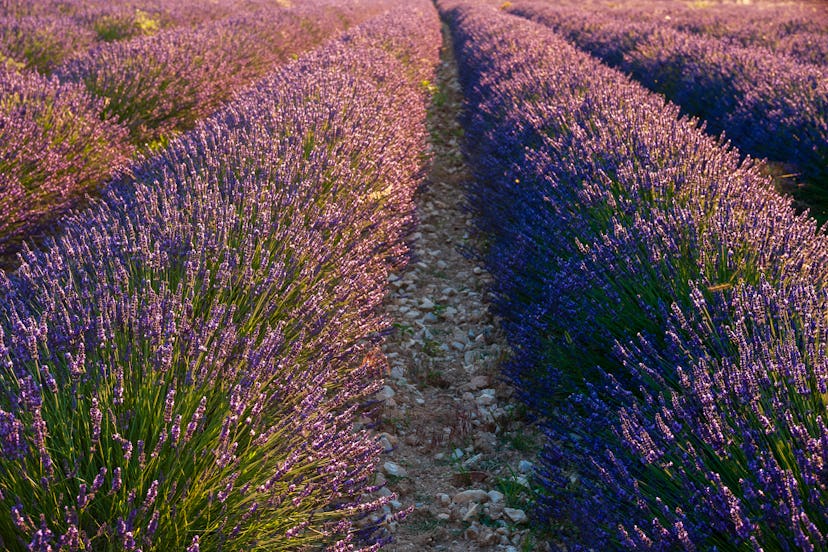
(41, 43)
(182, 367)
(59, 143)
(769, 105)
(53, 148)
(798, 30)
(665, 307)
(157, 85)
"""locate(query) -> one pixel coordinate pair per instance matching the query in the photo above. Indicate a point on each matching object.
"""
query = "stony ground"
(456, 446)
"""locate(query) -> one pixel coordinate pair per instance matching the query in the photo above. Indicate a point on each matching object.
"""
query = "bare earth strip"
(457, 447)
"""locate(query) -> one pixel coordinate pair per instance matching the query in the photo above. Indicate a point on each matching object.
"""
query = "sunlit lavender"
(664, 305)
(183, 365)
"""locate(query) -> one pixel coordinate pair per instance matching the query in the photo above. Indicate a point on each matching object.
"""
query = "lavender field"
(212, 229)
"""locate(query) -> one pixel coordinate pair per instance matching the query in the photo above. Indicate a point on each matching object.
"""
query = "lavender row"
(182, 367)
(62, 141)
(53, 146)
(665, 307)
(768, 105)
(42, 35)
(161, 84)
(797, 30)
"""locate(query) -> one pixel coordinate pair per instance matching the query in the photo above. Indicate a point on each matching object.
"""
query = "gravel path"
(456, 444)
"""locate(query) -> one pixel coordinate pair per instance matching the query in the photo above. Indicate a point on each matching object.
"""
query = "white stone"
(386, 393)
(471, 512)
(394, 469)
(496, 496)
(517, 516)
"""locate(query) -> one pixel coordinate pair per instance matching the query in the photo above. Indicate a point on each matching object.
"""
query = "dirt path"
(457, 446)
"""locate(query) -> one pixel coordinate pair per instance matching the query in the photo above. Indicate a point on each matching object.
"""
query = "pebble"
(394, 469)
(471, 512)
(386, 444)
(470, 495)
(457, 454)
(486, 398)
(517, 516)
(472, 460)
(525, 466)
(443, 499)
(496, 496)
(386, 393)
(478, 382)
(427, 304)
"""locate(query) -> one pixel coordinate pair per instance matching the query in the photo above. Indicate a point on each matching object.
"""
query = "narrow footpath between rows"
(457, 447)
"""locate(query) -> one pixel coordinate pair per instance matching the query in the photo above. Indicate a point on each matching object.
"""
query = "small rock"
(478, 382)
(471, 512)
(517, 516)
(496, 496)
(430, 317)
(525, 466)
(486, 398)
(472, 460)
(457, 345)
(386, 444)
(443, 499)
(394, 470)
(444, 516)
(442, 265)
(385, 394)
(457, 454)
(427, 304)
(470, 495)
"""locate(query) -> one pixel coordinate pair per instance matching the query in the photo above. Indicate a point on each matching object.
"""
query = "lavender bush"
(161, 84)
(182, 367)
(628, 249)
(795, 29)
(53, 148)
(769, 105)
(42, 43)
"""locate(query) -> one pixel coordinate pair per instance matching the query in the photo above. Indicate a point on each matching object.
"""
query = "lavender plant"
(53, 148)
(42, 43)
(784, 28)
(609, 220)
(162, 84)
(182, 367)
(769, 105)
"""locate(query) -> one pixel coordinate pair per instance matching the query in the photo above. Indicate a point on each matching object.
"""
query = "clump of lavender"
(53, 148)
(162, 84)
(182, 367)
(42, 43)
(769, 105)
(609, 219)
(728, 434)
